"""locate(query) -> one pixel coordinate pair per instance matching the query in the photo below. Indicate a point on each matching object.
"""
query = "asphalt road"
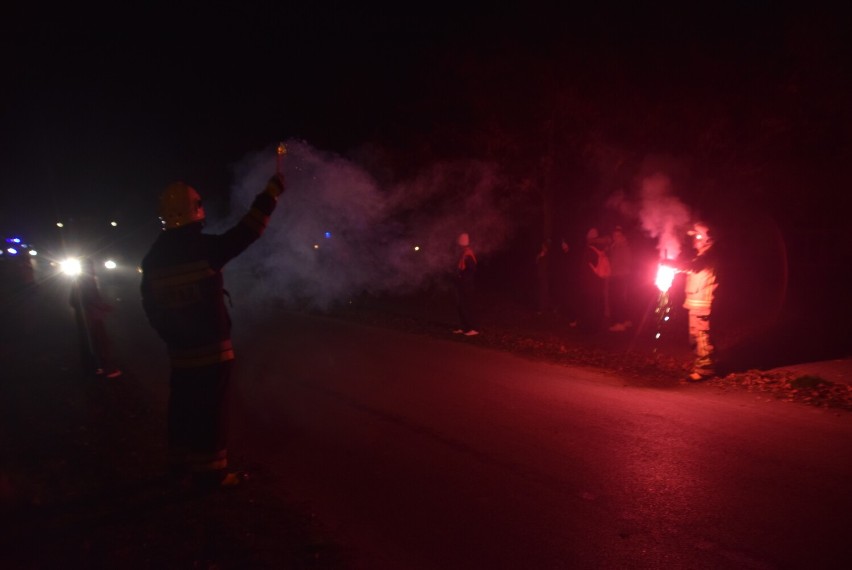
(425, 453)
(418, 452)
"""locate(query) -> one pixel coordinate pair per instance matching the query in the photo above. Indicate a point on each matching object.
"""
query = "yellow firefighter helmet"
(180, 205)
(701, 238)
(699, 231)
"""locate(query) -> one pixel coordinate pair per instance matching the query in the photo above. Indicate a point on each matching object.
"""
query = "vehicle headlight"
(110, 264)
(71, 266)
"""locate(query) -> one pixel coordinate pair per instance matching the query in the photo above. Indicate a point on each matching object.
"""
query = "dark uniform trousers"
(198, 417)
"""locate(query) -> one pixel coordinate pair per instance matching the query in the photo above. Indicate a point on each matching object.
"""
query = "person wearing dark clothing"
(90, 310)
(466, 288)
(565, 282)
(592, 306)
(542, 276)
(184, 301)
(621, 264)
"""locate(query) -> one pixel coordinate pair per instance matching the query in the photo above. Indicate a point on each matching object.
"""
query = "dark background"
(745, 108)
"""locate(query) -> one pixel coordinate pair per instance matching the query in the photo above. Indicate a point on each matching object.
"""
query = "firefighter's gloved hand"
(275, 186)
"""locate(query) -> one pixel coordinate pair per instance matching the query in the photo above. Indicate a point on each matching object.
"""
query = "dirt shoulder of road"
(645, 362)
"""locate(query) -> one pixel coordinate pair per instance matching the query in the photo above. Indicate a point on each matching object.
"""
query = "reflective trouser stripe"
(202, 356)
(699, 332)
(693, 304)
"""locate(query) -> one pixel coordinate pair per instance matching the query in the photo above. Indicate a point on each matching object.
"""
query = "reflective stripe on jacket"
(699, 289)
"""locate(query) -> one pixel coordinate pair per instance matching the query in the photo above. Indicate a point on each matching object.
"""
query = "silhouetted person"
(565, 270)
(184, 300)
(620, 281)
(465, 281)
(90, 310)
(593, 282)
(542, 278)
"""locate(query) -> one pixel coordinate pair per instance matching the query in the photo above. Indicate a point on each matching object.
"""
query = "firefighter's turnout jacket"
(700, 285)
(699, 289)
(182, 286)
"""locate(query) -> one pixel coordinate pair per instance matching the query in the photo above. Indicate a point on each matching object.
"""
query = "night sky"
(102, 108)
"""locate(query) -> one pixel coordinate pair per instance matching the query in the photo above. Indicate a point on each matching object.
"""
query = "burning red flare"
(665, 277)
(280, 151)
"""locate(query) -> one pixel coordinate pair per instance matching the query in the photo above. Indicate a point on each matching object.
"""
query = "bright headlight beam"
(71, 266)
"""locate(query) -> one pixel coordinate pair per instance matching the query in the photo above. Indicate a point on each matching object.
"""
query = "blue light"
(12, 251)
(327, 235)
(16, 240)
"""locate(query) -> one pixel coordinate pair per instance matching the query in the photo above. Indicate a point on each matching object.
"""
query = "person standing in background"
(621, 263)
(542, 277)
(594, 276)
(466, 288)
(90, 310)
(565, 282)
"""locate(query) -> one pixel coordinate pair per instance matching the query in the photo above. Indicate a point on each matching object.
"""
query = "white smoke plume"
(336, 233)
(662, 214)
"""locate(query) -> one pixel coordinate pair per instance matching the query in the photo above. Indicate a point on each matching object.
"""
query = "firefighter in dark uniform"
(184, 300)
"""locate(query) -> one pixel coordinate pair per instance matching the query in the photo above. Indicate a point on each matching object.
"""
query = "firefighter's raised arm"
(276, 186)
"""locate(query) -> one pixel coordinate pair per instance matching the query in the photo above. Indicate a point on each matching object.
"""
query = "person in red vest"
(184, 300)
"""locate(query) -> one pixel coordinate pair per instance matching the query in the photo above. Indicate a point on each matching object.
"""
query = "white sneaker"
(471, 332)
